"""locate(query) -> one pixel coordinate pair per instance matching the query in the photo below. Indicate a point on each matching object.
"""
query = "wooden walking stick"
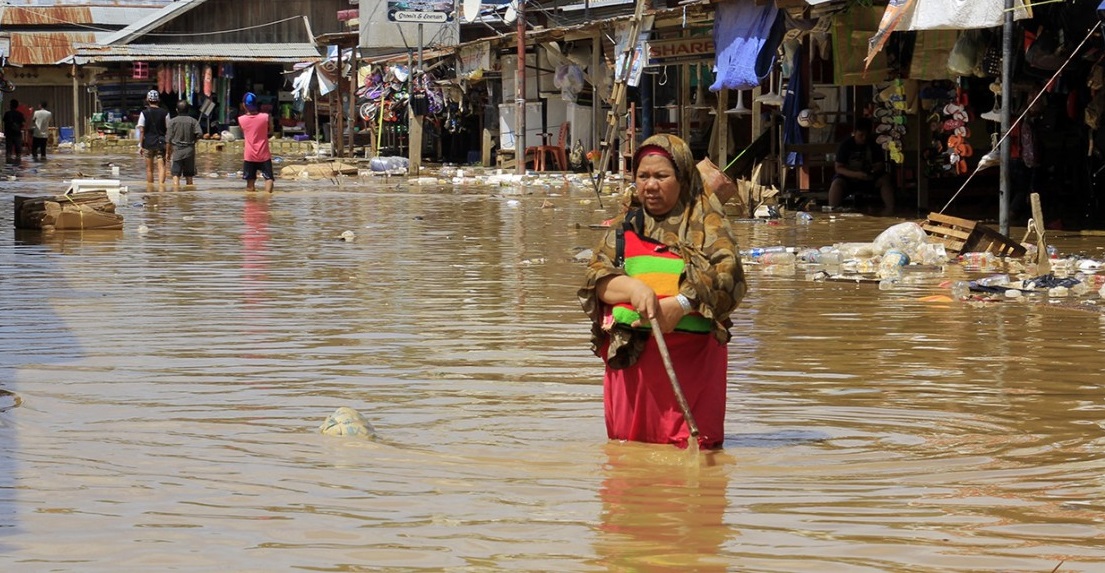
(691, 425)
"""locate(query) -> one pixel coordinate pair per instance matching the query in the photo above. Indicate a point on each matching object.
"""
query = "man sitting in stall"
(861, 169)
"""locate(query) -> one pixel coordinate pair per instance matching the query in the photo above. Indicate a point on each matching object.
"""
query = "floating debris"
(347, 422)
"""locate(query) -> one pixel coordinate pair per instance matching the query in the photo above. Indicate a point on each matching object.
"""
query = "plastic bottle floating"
(757, 252)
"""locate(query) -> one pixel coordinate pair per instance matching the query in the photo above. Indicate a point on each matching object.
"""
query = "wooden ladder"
(617, 95)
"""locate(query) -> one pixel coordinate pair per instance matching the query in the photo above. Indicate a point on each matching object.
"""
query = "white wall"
(509, 73)
(379, 32)
(581, 118)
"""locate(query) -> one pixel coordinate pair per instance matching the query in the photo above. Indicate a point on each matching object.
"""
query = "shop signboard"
(420, 11)
(387, 25)
(680, 49)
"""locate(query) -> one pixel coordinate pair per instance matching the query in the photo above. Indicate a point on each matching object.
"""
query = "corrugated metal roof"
(276, 53)
(45, 48)
(151, 22)
(45, 15)
(66, 16)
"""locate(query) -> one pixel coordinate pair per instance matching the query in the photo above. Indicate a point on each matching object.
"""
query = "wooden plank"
(485, 148)
(989, 240)
(947, 232)
(948, 219)
(1043, 263)
(723, 127)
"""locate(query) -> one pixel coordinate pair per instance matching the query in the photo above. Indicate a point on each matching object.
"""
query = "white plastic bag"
(569, 78)
(905, 237)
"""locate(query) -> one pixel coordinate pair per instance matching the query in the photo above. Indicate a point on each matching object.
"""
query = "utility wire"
(1024, 113)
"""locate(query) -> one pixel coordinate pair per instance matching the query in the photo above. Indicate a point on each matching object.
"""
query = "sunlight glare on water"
(162, 392)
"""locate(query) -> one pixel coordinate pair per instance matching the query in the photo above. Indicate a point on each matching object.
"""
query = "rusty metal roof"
(45, 15)
(45, 48)
(271, 53)
(59, 17)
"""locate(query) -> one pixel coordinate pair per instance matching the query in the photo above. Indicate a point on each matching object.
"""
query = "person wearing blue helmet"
(256, 130)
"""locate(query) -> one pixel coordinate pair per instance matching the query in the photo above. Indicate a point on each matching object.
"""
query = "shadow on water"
(780, 439)
(23, 344)
(34, 335)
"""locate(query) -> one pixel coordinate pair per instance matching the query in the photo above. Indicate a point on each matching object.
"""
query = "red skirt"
(641, 405)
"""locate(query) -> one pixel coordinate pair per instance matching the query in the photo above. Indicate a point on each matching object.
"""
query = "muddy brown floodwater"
(160, 396)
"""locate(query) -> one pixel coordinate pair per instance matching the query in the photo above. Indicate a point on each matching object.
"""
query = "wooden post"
(415, 143)
(76, 104)
(685, 101)
(314, 106)
(353, 114)
(338, 141)
(1005, 182)
(722, 120)
(414, 122)
(804, 70)
(597, 73)
(485, 149)
(1043, 262)
(757, 110)
(520, 94)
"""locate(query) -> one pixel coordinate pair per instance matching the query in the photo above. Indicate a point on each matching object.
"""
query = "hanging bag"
(991, 60)
(1046, 52)
(966, 57)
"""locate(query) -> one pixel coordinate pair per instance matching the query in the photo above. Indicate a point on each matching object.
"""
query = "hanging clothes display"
(742, 31)
(301, 86)
(792, 105)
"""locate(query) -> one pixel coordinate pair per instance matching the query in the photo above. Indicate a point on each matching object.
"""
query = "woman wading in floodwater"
(673, 258)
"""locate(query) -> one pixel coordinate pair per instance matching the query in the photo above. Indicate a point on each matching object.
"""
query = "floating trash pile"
(905, 254)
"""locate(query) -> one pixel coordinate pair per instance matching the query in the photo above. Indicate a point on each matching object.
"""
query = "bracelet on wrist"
(684, 302)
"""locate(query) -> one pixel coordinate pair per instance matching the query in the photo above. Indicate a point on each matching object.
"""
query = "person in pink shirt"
(256, 130)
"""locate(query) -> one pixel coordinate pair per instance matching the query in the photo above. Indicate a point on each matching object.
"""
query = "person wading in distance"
(256, 130)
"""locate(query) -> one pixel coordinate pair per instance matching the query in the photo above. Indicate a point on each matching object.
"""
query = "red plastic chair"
(559, 151)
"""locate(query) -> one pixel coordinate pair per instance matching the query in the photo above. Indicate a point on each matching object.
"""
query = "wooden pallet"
(967, 236)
